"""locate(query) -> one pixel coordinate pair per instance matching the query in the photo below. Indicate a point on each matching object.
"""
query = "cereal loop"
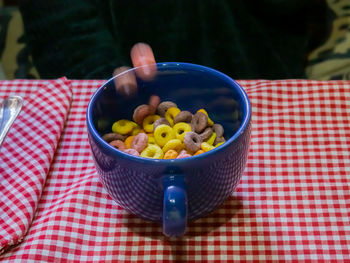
(192, 141)
(132, 152)
(149, 121)
(171, 154)
(198, 152)
(174, 144)
(164, 106)
(211, 139)
(123, 127)
(120, 145)
(210, 122)
(140, 113)
(183, 154)
(220, 143)
(152, 151)
(218, 129)
(199, 122)
(136, 130)
(180, 130)
(163, 134)
(219, 140)
(151, 139)
(206, 147)
(128, 141)
(205, 135)
(108, 137)
(160, 121)
(183, 116)
(171, 114)
(140, 142)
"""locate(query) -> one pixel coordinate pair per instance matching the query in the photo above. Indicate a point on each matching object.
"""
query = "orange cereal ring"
(123, 127)
(174, 144)
(171, 114)
(132, 152)
(198, 152)
(153, 103)
(140, 113)
(149, 121)
(163, 133)
(140, 142)
(120, 145)
(128, 141)
(171, 154)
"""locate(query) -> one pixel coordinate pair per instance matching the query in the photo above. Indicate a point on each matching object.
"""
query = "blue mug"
(177, 190)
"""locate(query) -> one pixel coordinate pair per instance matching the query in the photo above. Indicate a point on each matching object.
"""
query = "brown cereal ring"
(153, 103)
(205, 135)
(183, 116)
(192, 141)
(164, 106)
(140, 113)
(140, 142)
(108, 137)
(160, 121)
(199, 122)
(218, 129)
(120, 145)
(219, 140)
(132, 152)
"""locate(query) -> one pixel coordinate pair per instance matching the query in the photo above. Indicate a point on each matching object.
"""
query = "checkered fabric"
(291, 205)
(26, 153)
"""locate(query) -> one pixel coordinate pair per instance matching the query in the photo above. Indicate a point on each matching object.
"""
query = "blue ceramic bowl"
(173, 191)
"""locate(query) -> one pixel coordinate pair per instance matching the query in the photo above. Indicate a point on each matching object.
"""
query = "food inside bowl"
(160, 130)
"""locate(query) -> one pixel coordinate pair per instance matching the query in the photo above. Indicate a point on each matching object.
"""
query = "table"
(292, 203)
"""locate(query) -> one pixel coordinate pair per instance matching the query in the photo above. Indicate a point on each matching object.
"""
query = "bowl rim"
(244, 125)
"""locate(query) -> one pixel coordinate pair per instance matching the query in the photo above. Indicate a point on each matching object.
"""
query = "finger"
(142, 56)
(125, 81)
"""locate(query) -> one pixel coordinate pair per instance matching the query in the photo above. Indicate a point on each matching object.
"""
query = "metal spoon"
(9, 111)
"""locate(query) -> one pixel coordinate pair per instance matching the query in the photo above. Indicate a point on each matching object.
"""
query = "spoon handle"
(11, 108)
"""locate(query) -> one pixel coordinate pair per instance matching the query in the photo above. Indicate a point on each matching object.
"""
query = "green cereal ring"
(123, 127)
(149, 121)
(171, 114)
(163, 134)
(180, 130)
(152, 151)
(174, 144)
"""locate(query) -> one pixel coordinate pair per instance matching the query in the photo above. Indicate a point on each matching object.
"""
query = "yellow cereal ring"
(174, 144)
(210, 122)
(211, 139)
(171, 114)
(128, 141)
(151, 139)
(198, 152)
(163, 133)
(219, 144)
(137, 129)
(123, 127)
(149, 121)
(152, 151)
(180, 130)
(171, 154)
(206, 147)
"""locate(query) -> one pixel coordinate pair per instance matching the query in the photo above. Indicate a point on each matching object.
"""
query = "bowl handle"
(174, 205)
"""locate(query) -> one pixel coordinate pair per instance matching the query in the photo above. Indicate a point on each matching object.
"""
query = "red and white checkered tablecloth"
(292, 204)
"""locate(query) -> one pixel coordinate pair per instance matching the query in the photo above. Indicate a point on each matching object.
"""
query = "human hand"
(142, 57)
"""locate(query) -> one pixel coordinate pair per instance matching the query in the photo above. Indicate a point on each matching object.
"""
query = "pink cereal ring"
(183, 154)
(132, 152)
(140, 142)
(153, 103)
(140, 113)
(120, 145)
